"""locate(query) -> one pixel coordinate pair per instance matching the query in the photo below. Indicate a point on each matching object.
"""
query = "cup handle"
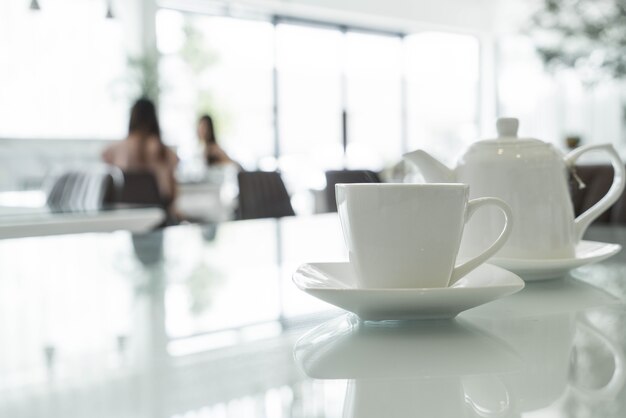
(583, 220)
(472, 206)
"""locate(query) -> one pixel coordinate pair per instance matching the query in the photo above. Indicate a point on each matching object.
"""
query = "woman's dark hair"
(209, 138)
(144, 123)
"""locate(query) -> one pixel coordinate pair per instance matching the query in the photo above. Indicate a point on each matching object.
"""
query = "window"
(443, 75)
(373, 65)
(221, 66)
(325, 73)
(344, 98)
(309, 103)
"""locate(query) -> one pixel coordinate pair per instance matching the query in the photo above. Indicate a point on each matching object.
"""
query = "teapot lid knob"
(507, 127)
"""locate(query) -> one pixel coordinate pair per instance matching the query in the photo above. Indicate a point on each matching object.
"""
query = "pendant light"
(34, 5)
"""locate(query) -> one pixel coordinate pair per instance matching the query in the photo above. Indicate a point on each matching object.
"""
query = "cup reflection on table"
(462, 368)
(398, 369)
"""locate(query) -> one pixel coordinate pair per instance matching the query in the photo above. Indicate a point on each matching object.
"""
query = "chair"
(81, 190)
(597, 180)
(345, 176)
(140, 188)
(262, 194)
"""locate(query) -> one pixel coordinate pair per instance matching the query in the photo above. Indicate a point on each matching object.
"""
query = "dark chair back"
(262, 194)
(345, 176)
(140, 188)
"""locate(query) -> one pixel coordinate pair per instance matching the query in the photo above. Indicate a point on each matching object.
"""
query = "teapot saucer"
(335, 283)
(587, 252)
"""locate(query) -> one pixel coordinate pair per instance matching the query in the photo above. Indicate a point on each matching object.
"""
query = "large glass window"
(221, 66)
(373, 66)
(344, 98)
(309, 102)
(331, 83)
(63, 71)
(443, 75)
(309, 77)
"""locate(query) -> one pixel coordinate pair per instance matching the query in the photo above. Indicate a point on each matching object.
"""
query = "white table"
(196, 321)
(207, 194)
(206, 201)
(39, 222)
(24, 214)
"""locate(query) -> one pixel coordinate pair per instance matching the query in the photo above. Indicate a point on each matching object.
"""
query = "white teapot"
(531, 176)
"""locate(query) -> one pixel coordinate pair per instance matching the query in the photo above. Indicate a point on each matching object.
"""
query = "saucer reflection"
(348, 348)
(439, 368)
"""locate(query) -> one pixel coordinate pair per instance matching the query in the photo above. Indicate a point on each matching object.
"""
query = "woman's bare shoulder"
(111, 151)
(170, 156)
(153, 149)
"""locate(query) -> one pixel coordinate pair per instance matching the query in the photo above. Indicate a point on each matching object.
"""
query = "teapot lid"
(507, 135)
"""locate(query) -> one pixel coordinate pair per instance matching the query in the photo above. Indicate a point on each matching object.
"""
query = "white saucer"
(586, 252)
(335, 283)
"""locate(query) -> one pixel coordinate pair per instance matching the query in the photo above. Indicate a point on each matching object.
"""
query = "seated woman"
(213, 153)
(143, 150)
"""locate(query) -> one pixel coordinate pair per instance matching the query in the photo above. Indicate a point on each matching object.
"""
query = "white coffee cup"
(408, 235)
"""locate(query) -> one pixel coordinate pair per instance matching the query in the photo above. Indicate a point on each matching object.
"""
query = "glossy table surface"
(204, 321)
(36, 222)
(26, 214)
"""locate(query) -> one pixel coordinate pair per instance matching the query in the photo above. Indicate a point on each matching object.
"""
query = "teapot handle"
(619, 180)
(615, 385)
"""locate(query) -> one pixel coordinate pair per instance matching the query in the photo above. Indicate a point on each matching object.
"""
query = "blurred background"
(303, 86)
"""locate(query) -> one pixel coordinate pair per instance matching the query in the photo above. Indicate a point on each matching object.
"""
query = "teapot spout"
(432, 169)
